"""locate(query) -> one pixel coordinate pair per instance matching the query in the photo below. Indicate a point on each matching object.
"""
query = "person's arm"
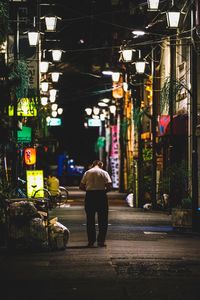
(82, 186)
(108, 186)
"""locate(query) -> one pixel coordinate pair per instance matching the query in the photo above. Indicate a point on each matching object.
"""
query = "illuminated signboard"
(54, 122)
(94, 122)
(26, 107)
(24, 135)
(30, 156)
(35, 181)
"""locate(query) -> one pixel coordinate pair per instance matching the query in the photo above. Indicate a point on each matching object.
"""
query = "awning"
(180, 125)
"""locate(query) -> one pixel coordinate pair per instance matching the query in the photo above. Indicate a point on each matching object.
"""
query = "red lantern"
(30, 156)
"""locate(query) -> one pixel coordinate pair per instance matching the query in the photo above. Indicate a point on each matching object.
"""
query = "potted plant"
(182, 214)
(175, 183)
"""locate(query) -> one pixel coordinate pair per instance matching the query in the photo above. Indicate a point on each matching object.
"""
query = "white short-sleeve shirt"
(95, 179)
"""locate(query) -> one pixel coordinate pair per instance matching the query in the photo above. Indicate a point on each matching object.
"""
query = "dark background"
(91, 33)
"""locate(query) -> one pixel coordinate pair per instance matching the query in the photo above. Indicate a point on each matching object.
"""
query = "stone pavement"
(144, 259)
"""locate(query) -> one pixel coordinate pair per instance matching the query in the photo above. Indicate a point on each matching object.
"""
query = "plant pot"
(182, 218)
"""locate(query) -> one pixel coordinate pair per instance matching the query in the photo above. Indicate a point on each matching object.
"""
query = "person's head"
(97, 163)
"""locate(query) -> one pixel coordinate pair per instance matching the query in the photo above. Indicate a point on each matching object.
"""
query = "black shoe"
(102, 245)
(90, 245)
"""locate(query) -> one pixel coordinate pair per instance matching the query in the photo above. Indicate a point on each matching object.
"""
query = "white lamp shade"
(140, 66)
(50, 23)
(55, 76)
(96, 110)
(102, 117)
(115, 76)
(44, 100)
(173, 18)
(106, 100)
(54, 113)
(54, 106)
(44, 86)
(44, 65)
(48, 119)
(125, 86)
(60, 111)
(127, 55)
(112, 109)
(102, 104)
(33, 38)
(56, 55)
(88, 111)
(153, 4)
(95, 117)
(53, 93)
(52, 99)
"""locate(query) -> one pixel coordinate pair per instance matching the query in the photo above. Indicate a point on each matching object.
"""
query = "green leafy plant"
(19, 77)
(169, 86)
(177, 176)
(4, 23)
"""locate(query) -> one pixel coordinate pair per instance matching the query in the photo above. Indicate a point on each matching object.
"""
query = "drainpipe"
(193, 119)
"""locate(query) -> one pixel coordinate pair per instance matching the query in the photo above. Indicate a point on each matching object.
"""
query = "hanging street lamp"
(173, 17)
(60, 111)
(115, 76)
(56, 54)
(140, 64)
(33, 35)
(153, 5)
(88, 111)
(44, 66)
(44, 86)
(51, 22)
(55, 76)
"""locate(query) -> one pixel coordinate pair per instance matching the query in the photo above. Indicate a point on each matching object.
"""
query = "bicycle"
(54, 198)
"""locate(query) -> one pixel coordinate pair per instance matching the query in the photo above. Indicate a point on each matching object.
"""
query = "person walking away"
(96, 182)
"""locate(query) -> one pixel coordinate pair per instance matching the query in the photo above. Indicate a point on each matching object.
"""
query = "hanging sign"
(35, 181)
(30, 156)
(26, 107)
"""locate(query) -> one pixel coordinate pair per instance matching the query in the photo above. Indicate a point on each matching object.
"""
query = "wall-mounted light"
(33, 38)
(60, 111)
(88, 111)
(44, 86)
(51, 22)
(106, 100)
(140, 64)
(96, 110)
(55, 76)
(53, 92)
(102, 104)
(153, 5)
(44, 66)
(44, 100)
(115, 76)
(54, 106)
(54, 113)
(127, 55)
(33, 35)
(113, 108)
(173, 17)
(56, 54)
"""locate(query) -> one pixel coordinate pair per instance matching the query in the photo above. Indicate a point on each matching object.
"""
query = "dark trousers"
(96, 202)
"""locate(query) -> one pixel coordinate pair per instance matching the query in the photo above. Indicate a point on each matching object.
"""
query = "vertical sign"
(35, 181)
(114, 155)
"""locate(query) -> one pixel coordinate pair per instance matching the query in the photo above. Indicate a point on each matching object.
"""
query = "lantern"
(30, 156)
(115, 76)
(44, 65)
(33, 38)
(153, 5)
(51, 22)
(173, 16)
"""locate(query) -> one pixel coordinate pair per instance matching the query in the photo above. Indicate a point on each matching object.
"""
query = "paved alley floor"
(144, 259)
